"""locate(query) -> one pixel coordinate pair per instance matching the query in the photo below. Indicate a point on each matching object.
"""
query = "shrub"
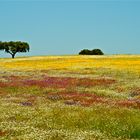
(85, 52)
(91, 52)
(97, 52)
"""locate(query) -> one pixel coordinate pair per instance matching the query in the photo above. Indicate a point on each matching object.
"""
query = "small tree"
(97, 52)
(14, 47)
(91, 52)
(85, 52)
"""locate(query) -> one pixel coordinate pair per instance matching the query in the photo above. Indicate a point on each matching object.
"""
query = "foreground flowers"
(70, 97)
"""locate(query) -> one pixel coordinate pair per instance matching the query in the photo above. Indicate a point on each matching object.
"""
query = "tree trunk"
(13, 56)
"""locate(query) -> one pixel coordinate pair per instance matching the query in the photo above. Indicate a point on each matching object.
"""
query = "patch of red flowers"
(65, 82)
(3, 84)
(56, 82)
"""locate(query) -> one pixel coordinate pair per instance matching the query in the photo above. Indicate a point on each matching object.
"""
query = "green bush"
(91, 52)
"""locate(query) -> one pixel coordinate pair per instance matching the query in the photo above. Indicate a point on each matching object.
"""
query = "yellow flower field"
(117, 62)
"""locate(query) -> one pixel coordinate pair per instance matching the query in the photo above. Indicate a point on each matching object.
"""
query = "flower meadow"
(70, 98)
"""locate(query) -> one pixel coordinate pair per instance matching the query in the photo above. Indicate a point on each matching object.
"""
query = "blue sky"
(55, 27)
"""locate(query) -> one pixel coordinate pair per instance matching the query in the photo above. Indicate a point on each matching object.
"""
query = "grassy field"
(70, 98)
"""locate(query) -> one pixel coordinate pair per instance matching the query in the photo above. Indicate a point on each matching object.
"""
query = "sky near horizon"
(55, 27)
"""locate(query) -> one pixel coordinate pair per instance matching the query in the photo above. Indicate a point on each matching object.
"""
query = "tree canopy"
(91, 52)
(14, 47)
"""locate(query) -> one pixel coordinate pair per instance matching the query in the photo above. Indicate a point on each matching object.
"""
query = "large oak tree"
(14, 47)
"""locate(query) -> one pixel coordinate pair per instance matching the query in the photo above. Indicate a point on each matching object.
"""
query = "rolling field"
(70, 98)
